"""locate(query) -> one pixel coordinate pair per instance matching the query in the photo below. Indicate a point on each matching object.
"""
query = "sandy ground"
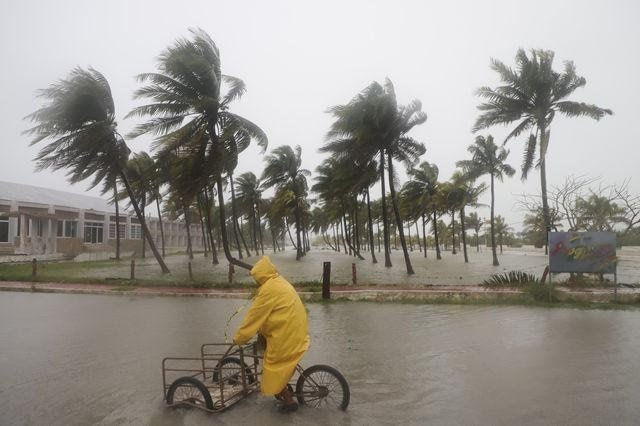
(451, 270)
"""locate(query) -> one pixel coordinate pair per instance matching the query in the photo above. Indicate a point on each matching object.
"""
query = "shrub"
(510, 279)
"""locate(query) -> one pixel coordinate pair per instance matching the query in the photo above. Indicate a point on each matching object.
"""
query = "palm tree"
(188, 110)
(501, 228)
(375, 123)
(475, 222)
(249, 196)
(487, 158)
(284, 172)
(462, 193)
(423, 187)
(79, 122)
(531, 95)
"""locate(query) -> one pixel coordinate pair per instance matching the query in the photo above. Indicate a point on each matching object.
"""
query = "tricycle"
(226, 373)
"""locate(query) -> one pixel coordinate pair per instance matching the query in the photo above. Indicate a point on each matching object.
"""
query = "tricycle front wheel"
(323, 386)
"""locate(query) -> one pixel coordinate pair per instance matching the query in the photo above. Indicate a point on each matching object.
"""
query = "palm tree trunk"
(544, 142)
(453, 232)
(435, 233)
(477, 242)
(342, 231)
(370, 221)
(335, 238)
(144, 240)
(286, 224)
(409, 237)
(424, 235)
(273, 239)
(418, 236)
(160, 223)
(244, 243)
(205, 244)
(357, 226)
(493, 236)
(385, 220)
(259, 225)
(378, 234)
(115, 200)
(209, 204)
(223, 229)
(143, 223)
(234, 218)
(298, 223)
(464, 236)
(348, 239)
(396, 211)
(187, 219)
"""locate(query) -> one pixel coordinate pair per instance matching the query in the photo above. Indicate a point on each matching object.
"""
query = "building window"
(93, 232)
(112, 231)
(136, 232)
(37, 226)
(67, 228)
(4, 229)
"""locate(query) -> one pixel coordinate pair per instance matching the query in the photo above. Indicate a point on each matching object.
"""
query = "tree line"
(198, 142)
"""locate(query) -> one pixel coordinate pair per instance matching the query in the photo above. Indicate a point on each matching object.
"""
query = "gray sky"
(299, 58)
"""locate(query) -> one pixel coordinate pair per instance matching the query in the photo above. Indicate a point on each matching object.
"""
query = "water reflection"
(73, 359)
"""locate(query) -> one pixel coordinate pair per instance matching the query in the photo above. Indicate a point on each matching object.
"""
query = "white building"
(36, 220)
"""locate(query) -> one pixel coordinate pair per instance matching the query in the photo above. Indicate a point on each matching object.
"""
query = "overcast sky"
(299, 58)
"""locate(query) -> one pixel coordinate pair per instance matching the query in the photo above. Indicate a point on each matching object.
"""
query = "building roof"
(35, 194)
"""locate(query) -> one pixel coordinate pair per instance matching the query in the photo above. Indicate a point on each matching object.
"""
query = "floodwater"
(81, 359)
(451, 270)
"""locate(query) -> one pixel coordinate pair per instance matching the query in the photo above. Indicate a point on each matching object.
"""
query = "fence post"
(326, 280)
(34, 268)
(133, 269)
(231, 272)
(354, 276)
(190, 271)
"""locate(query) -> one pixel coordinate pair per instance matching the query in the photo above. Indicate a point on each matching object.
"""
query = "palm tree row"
(198, 142)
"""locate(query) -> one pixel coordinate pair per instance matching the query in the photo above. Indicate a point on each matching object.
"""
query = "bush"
(510, 279)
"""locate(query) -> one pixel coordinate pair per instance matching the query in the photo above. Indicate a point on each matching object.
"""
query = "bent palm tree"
(531, 95)
(487, 158)
(423, 187)
(79, 122)
(188, 111)
(284, 172)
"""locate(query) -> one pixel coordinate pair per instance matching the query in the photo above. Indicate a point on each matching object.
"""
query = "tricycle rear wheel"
(187, 391)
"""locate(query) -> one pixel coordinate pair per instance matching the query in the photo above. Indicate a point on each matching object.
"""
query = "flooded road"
(451, 270)
(78, 360)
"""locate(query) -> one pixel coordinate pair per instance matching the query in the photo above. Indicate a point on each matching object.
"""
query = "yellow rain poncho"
(279, 315)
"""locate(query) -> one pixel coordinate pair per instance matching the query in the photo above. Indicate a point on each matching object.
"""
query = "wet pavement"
(85, 359)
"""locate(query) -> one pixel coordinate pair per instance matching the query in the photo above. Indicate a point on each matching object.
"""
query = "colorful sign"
(582, 252)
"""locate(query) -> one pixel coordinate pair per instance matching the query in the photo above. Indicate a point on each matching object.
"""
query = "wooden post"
(231, 272)
(615, 285)
(190, 271)
(133, 269)
(354, 277)
(326, 280)
(544, 275)
(34, 268)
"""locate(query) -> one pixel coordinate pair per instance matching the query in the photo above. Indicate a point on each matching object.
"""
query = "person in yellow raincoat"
(279, 315)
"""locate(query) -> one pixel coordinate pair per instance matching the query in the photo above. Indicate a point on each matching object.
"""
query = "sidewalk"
(377, 293)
